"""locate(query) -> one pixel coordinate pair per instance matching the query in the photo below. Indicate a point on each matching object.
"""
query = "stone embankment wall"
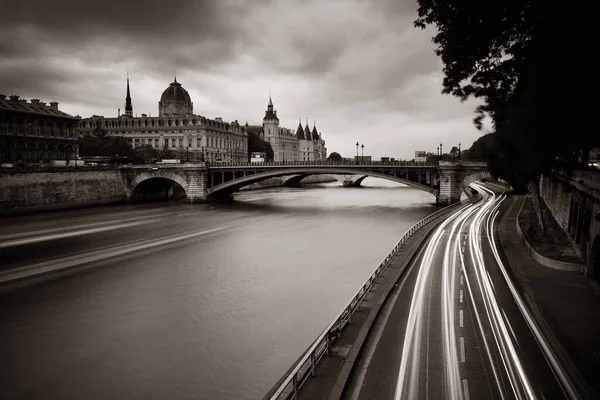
(279, 181)
(29, 190)
(575, 205)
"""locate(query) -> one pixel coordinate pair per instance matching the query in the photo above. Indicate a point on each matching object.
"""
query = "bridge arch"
(226, 189)
(158, 185)
(471, 178)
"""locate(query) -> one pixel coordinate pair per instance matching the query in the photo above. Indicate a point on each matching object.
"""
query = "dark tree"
(481, 149)
(256, 144)
(527, 62)
(335, 157)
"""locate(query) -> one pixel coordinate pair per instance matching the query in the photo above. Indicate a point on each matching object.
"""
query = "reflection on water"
(221, 316)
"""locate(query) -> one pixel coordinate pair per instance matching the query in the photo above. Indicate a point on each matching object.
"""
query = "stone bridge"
(204, 181)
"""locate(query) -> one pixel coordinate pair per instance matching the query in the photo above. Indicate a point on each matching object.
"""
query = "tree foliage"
(99, 143)
(524, 61)
(256, 144)
(335, 156)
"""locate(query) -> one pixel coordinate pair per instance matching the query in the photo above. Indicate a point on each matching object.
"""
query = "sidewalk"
(565, 304)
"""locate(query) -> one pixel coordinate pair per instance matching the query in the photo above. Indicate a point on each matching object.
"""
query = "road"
(456, 327)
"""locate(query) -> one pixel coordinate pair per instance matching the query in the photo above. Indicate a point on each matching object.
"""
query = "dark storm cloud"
(155, 35)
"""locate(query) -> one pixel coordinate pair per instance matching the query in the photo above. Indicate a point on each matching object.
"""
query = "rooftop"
(35, 106)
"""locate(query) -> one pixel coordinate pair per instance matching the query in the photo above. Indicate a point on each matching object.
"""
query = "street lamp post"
(187, 153)
(356, 151)
(283, 155)
(362, 155)
(459, 151)
(441, 152)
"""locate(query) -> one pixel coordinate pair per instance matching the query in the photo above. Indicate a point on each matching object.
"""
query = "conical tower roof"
(300, 131)
(307, 134)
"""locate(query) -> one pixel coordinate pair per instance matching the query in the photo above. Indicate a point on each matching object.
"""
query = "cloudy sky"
(358, 67)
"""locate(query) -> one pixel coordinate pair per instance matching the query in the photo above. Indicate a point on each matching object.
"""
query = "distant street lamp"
(187, 153)
(441, 152)
(362, 156)
(459, 151)
(356, 151)
(283, 155)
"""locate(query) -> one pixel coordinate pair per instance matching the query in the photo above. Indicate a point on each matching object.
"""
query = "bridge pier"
(196, 186)
(450, 178)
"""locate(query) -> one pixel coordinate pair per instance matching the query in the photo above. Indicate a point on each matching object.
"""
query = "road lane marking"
(385, 314)
(460, 317)
(462, 349)
(461, 279)
(97, 255)
(460, 296)
(466, 389)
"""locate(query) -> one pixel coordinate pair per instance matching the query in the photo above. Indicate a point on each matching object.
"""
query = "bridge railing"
(319, 162)
(288, 386)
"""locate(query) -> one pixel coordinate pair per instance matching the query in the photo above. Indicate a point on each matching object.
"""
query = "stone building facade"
(303, 145)
(33, 132)
(176, 128)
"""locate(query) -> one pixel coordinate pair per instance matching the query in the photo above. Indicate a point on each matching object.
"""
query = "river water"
(219, 316)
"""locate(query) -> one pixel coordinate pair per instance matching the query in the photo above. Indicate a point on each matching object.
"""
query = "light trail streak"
(566, 383)
(409, 373)
(459, 241)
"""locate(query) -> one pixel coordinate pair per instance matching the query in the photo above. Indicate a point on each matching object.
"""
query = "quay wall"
(30, 190)
(574, 202)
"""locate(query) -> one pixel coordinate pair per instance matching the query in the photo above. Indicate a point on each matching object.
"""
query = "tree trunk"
(537, 202)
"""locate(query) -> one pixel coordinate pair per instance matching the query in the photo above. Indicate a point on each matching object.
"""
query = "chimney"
(14, 98)
(54, 105)
(35, 101)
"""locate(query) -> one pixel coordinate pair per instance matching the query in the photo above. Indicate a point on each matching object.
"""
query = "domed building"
(177, 128)
(175, 100)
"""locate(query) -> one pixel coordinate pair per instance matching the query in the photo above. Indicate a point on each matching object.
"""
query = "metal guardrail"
(288, 386)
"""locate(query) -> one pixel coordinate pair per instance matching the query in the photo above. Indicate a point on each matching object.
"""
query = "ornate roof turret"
(300, 131)
(270, 113)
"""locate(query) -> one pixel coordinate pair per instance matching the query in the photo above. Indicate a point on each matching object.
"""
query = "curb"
(545, 261)
(585, 390)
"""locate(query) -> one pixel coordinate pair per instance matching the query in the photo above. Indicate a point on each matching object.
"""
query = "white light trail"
(499, 339)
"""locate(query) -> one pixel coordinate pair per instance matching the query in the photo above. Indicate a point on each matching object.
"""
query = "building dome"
(175, 100)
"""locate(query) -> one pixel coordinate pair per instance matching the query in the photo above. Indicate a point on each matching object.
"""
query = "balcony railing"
(288, 386)
(213, 164)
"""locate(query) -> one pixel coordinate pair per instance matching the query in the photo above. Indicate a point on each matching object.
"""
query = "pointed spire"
(128, 106)
(300, 130)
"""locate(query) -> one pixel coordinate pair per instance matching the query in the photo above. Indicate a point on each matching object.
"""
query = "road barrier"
(288, 386)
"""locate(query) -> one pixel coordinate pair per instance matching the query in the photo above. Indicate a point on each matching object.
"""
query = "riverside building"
(176, 127)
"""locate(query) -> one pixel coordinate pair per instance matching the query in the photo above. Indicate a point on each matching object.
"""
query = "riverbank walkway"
(566, 304)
